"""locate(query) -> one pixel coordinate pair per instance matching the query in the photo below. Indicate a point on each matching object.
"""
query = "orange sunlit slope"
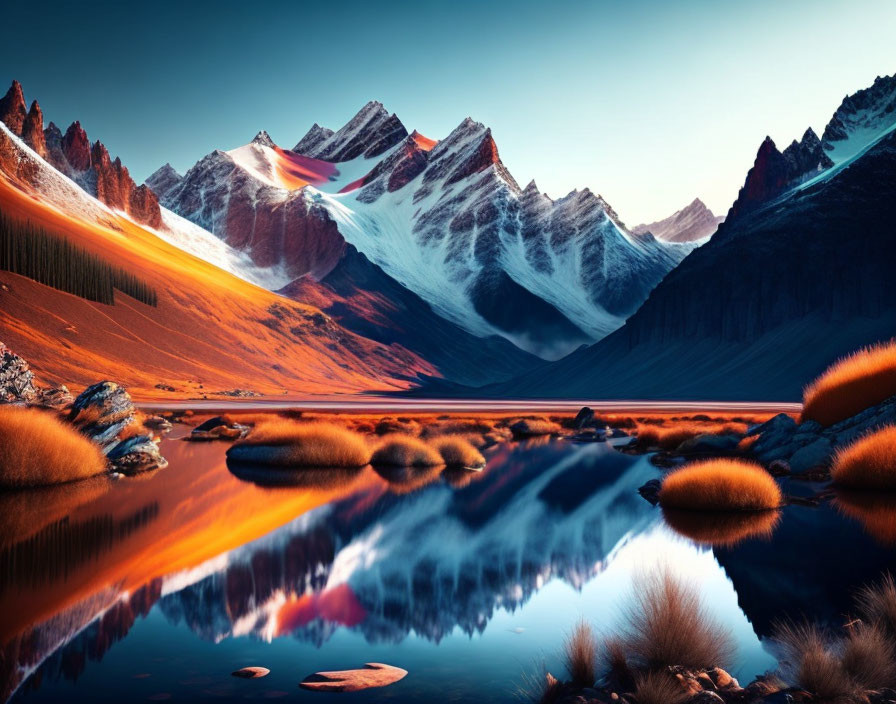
(210, 328)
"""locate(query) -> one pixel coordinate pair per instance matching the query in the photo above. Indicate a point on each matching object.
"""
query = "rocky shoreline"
(104, 412)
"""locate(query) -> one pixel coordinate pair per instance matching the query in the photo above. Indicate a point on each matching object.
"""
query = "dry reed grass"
(877, 605)
(672, 436)
(658, 687)
(667, 625)
(811, 662)
(580, 655)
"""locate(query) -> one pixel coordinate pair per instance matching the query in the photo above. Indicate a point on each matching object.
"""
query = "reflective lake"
(156, 588)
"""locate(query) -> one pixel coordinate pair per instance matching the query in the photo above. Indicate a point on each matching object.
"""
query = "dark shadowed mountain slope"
(784, 287)
(364, 299)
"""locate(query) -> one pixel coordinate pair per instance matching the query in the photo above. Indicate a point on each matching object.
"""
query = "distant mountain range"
(800, 273)
(690, 224)
(444, 219)
(426, 264)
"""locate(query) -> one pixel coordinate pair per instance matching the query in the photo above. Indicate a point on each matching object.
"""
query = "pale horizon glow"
(648, 103)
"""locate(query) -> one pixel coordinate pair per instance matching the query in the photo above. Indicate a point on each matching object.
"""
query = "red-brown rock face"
(91, 168)
(76, 147)
(144, 206)
(486, 155)
(12, 108)
(116, 188)
(33, 130)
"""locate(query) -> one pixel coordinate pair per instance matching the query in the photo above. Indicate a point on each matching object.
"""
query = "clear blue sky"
(648, 103)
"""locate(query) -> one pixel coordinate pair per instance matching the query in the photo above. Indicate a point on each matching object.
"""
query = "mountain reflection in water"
(466, 579)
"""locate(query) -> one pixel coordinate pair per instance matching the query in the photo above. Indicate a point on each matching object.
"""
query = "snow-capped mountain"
(691, 223)
(445, 219)
(206, 322)
(799, 274)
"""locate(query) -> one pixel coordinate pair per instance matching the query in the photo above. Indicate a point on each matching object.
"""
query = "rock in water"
(16, 379)
(251, 673)
(584, 418)
(373, 674)
(102, 411)
(218, 428)
(139, 453)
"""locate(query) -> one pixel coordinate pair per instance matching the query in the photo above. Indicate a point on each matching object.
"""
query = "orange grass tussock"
(868, 463)
(720, 485)
(291, 444)
(405, 451)
(36, 449)
(861, 380)
(458, 452)
(670, 437)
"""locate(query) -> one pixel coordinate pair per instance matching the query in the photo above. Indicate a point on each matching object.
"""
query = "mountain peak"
(163, 180)
(313, 138)
(76, 147)
(12, 108)
(531, 187)
(871, 110)
(371, 132)
(693, 222)
(425, 143)
(264, 139)
(33, 129)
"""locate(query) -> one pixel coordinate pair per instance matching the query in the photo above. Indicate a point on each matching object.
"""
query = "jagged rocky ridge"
(90, 166)
(791, 281)
(446, 220)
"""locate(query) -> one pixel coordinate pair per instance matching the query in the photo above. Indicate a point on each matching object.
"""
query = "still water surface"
(156, 588)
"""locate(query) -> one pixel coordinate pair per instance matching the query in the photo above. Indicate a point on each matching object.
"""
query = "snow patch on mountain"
(204, 245)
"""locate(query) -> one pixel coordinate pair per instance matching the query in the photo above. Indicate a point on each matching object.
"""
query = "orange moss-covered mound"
(457, 452)
(405, 451)
(869, 463)
(854, 383)
(36, 449)
(720, 485)
(287, 443)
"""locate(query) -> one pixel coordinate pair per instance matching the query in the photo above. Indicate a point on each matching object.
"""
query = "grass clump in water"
(720, 485)
(36, 448)
(290, 444)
